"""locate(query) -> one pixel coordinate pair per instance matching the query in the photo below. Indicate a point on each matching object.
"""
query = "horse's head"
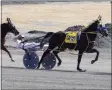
(97, 26)
(11, 27)
(101, 29)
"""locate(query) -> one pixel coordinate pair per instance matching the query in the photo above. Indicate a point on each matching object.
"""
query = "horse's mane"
(91, 27)
(75, 28)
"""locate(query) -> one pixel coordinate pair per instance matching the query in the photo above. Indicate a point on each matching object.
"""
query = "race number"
(71, 38)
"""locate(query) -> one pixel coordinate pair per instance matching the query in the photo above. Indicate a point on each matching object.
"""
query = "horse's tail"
(45, 39)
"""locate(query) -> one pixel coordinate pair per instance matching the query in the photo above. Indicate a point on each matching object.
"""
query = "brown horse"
(5, 28)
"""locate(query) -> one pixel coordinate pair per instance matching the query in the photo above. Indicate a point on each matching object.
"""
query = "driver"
(24, 44)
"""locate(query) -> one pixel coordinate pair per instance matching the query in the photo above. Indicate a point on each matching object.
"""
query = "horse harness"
(57, 48)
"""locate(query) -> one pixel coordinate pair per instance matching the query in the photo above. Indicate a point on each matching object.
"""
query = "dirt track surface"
(55, 16)
(42, 79)
(97, 76)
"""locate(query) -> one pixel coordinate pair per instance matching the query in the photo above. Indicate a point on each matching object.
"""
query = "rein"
(90, 32)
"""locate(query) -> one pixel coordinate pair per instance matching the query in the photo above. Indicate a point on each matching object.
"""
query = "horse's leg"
(5, 49)
(45, 37)
(59, 60)
(97, 54)
(45, 53)
(79, 60)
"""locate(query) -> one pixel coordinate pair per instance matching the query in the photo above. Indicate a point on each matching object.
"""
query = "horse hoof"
(12, 60)
(38, 66)
(80, 70)
(92, 62)
(59, 64)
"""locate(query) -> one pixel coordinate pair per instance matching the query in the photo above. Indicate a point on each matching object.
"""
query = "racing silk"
(72, 37)
(32, 46)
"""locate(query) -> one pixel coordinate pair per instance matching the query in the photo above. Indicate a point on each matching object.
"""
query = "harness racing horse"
(6, 28)
(85, 43)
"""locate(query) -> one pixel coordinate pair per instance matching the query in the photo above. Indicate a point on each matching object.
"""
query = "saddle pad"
(71, 37)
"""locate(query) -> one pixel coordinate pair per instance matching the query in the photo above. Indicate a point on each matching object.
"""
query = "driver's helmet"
(20, 37)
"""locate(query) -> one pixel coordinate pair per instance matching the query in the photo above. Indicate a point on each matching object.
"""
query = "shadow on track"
(71, 71)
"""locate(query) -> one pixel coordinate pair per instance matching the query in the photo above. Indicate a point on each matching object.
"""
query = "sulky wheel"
(49, 61)
(30, 60)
